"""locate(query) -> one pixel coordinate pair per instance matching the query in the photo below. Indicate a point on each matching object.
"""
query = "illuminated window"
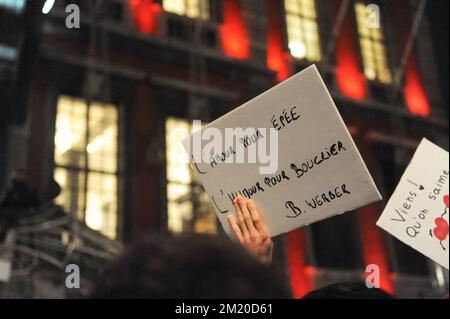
(195, 9)
(86, 156)
(372, 48)
(188, 206)
(302, 29)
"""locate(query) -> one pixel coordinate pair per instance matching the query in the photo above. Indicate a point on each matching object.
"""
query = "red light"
(351, 80)
(415, 96)
(233, 31)
(300, 280)
(374, 247)
(277, 59)
(145, 14)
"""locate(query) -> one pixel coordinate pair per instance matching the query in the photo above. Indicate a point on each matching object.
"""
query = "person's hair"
(188, 266)
(348, 291)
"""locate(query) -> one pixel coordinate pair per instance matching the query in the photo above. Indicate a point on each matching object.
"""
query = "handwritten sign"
(319, 171)
(417, 212)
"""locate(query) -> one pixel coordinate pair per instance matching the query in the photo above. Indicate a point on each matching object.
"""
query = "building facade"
(101, 109)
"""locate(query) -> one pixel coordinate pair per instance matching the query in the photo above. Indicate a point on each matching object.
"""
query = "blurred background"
(91, 116)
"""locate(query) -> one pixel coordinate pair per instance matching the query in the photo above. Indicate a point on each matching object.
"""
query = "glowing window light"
(302, 29)
(195, 9)
(373, 50)
(298, 49)
(86, 162)
(180, 177)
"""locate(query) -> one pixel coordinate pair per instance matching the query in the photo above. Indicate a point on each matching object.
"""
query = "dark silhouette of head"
(348, 291)
(188, 266)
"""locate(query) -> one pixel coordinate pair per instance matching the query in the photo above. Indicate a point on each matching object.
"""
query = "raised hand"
(250, 229)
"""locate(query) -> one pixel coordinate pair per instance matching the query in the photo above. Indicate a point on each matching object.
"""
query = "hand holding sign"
(313, 170)
(250, 229)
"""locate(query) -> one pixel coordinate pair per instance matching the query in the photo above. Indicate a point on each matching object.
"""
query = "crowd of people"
(206, 266)
(191, 266)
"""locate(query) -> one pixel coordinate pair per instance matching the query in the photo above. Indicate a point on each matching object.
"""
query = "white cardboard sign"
(417, 212)
(320, 172)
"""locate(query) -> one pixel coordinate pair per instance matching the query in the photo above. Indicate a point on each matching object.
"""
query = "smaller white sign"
(417, 213)
(5, 270)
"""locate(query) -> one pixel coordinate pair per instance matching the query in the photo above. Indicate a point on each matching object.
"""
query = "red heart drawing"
(441, 230)
(446, 200)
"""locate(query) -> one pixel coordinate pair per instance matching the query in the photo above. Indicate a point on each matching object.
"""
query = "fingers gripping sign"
(250, 229)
